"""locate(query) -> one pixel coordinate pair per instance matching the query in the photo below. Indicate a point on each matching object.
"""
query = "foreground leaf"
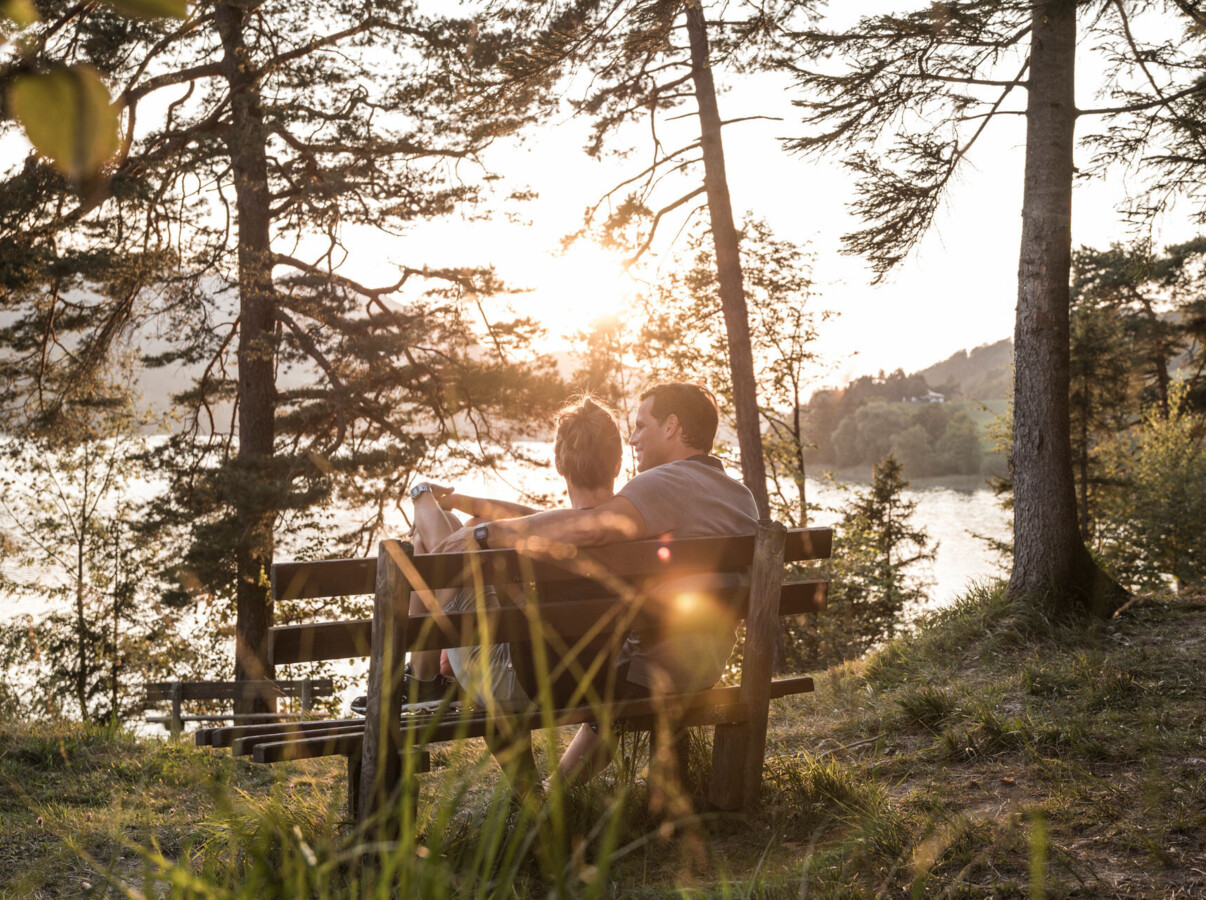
(151, 9)
(68, 118)
(20, 11)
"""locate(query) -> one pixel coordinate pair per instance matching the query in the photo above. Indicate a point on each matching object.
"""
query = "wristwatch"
(481, 534)
(421, 488)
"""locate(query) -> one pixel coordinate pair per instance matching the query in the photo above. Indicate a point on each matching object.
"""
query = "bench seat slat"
(309, 740)
(480, 726)
(568, 619)
(244, 746)
(224, 736)
(351, 577)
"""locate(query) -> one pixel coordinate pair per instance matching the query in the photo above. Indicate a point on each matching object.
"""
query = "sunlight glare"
(580, 286)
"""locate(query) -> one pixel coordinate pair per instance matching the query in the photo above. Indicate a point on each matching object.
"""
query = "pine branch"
(657, 218)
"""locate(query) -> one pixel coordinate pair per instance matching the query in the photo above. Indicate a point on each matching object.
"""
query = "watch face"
(420, 488)
(481, 534)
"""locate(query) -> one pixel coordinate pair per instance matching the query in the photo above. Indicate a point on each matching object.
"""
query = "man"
(681, 491)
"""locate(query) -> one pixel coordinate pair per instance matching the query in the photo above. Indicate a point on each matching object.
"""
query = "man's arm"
(609, 523)
(486, 508)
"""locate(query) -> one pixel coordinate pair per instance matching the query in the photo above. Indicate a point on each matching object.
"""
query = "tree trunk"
(728, 264)
(254, 509)
(1051, 562)
(802, 481)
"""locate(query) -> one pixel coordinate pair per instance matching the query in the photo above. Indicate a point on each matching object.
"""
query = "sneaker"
(417, 691)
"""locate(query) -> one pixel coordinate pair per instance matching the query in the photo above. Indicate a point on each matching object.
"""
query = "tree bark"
(246, 140)
(1051, 562)
(728, 264)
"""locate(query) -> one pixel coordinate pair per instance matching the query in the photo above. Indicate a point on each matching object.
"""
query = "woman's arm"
(479, 507)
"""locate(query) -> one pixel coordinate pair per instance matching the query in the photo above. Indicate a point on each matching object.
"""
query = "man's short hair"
(588, 449)
(695, 407)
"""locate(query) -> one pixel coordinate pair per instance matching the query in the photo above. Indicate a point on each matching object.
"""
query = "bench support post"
(737, 750)
(176, 723)
(380, 768)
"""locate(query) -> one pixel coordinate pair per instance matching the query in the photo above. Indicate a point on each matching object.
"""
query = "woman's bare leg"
(585, 757)
(433, 525)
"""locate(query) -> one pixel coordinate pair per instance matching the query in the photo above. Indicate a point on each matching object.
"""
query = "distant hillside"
(986, 373)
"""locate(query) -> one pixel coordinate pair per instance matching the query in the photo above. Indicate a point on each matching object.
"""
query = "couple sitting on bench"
(680, 491)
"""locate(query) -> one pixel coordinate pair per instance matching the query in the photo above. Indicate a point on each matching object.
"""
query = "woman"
(588, 453)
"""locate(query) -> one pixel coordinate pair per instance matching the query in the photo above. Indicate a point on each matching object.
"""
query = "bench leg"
(738, 750)
(379, 771)
(421, 764)
(176, 724)
(354, 762)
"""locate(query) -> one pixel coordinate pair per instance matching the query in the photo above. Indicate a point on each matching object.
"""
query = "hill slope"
(991, 754)
(985, 373)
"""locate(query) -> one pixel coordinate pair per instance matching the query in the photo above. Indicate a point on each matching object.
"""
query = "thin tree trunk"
(802, 482)
(254, 513)
(1083, 460)
(81, 625)
(1050, 559)
(728, 264)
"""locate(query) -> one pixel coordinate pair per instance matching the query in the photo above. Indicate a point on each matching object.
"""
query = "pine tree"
(261, 143)
(639, 68)
(877, 547)
(682, 336)
(1152, 521)
(913, 95)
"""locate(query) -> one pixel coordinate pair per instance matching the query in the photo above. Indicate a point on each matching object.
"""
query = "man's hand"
(457, 542)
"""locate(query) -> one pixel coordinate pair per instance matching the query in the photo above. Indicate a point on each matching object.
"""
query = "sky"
(956, 291)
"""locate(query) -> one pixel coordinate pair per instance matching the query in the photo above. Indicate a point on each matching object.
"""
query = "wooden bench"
(304, 690)
(383, 752)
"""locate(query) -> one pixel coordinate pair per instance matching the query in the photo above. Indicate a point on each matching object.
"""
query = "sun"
(580, 286)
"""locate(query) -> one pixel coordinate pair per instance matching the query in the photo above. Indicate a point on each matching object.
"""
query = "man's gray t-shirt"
(687, 498)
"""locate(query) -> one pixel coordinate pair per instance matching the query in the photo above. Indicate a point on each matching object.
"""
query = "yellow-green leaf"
(151, 9)
(67, 116)
(20, 11)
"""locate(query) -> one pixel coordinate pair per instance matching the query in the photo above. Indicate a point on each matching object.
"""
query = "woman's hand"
(445, 496)
(439, 493)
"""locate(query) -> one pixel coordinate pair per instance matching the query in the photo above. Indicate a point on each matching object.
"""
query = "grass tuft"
(927, 706)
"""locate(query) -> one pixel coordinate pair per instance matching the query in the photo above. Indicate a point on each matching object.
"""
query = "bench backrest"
(620, 570)
(634, 559)
(237, 690)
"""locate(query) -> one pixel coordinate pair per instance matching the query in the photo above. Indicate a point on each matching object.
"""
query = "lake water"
(951, 515)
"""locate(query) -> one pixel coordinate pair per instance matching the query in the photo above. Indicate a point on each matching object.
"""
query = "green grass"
(992, 753)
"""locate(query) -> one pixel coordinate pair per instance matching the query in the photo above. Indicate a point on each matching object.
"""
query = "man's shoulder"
(692, 490)
(701, 466)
